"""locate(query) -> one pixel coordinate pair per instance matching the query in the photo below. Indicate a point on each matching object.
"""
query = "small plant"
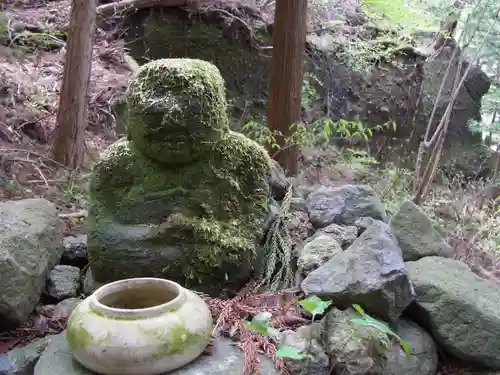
(260, 324)
(320, 133)
(367, 320)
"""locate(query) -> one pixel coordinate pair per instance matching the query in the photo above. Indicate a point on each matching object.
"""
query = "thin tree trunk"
(287, 74)
(69, 141)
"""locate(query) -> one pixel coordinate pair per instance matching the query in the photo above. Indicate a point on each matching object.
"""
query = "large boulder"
(371, 272)
(183, 197)
(416, 234)
(30, 246)
(317, 252)
(461, 310)
(22, 360)
(343, 205)
(424, 356)
(357, 349)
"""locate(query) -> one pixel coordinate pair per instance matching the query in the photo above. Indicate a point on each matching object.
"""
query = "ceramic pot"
(142, 326)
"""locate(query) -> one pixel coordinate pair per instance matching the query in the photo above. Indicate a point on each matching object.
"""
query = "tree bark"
(69, 139)
(287, 74)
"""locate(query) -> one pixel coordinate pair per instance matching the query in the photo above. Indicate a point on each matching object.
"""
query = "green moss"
(211, 210)
(175, 107)
(76, 334)
(177, 339)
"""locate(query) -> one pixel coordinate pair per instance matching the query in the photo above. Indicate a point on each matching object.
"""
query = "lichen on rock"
(183, 197)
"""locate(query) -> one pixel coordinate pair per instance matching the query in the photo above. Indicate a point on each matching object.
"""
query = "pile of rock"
(399, 270)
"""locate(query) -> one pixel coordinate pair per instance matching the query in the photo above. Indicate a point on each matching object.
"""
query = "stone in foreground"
(63, 282)
(357, 349)
(416, 235)
(371, 273)
(226, 359)
(30, 246)
(21, 361)
(424, 356)
(461, 310)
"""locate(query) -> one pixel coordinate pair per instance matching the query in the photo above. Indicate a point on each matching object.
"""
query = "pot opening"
(137, 295)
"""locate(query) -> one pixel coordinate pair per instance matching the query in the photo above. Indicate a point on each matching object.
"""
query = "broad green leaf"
(372, 323)
(368, 321)
(359, 309)
(315, 305)
(260, 324)
(290, 352)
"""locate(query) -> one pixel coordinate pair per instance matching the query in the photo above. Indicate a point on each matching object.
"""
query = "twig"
(108, 10)
(73, 215)
(10, 150)
(41, 175)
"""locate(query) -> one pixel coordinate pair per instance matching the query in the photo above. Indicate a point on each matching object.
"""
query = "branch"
(108, 10)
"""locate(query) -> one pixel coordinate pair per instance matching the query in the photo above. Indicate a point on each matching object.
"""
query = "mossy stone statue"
(183, 197)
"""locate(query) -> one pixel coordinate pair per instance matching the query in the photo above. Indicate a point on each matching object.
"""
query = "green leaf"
(367, 320)
(359, 309)
(260, 324)
(315, 305)
(372, 323)
(290, 352)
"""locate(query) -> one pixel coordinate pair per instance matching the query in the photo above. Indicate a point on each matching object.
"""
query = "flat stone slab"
(226, 359)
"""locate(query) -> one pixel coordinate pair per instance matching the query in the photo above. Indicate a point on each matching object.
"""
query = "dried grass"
(230, 316)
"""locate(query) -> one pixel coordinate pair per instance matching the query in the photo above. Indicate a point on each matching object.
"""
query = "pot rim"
(143, 313)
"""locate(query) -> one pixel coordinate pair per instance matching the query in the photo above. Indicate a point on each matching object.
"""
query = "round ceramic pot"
(143, 326)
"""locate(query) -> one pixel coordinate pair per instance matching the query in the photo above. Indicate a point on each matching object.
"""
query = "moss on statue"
(175, 107)
(197, 222)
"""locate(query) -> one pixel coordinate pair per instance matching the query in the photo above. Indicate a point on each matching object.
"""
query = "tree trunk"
(287, 74)
(69, 140)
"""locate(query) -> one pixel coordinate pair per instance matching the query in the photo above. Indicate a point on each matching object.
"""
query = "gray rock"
(278, 182)
(343, 205)
(358, 349)
(298, 204)
(299, 226)
(5, 364)
(416, 235)
(345, 235)
(354, 349)
(424, 357)
(273, 211)
(316, 253)
(226, 359)
(75, 251)
(461, 310)
(362, 224)
(21, 361)
(63, 282)
(371, 273)
(306, 339)
(64, 308)
(89, 285)
(30, 246)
